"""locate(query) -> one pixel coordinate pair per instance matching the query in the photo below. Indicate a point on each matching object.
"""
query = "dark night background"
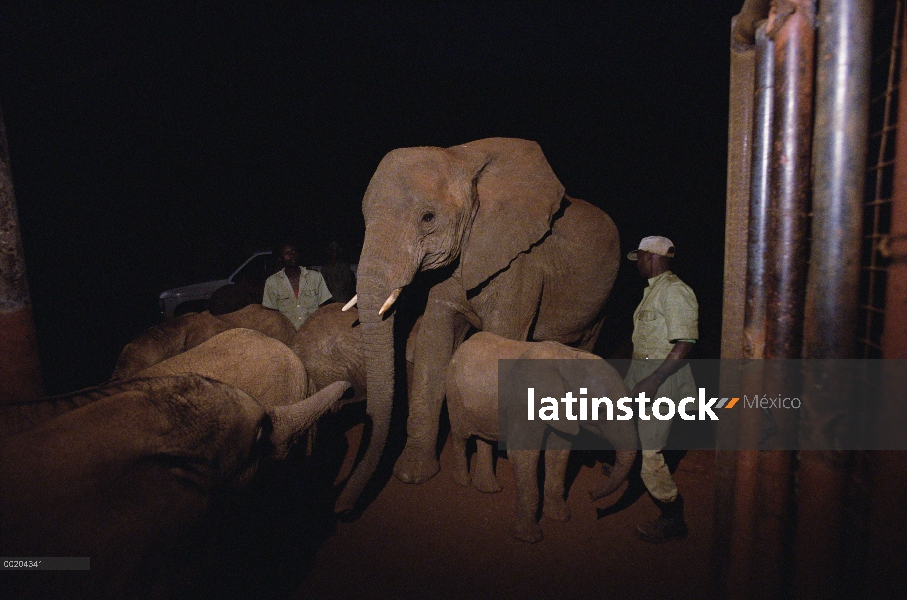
(157, 144)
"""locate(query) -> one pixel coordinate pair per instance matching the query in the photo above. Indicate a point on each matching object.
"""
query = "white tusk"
(350, 304)
(390, 301)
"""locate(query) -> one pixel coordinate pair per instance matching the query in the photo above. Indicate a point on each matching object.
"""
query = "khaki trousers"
(653, 434)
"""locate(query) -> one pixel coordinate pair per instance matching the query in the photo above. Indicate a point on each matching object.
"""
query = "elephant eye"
(428, 217)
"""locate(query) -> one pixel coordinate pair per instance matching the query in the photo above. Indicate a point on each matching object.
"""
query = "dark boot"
(669, 526)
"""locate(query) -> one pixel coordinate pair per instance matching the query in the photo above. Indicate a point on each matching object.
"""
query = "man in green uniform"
(295, 291)
(665, 327)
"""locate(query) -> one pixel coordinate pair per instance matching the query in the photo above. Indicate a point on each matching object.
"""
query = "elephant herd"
(515, 269)
(125, 472)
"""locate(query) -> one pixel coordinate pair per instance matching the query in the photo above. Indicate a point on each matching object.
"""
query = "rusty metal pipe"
(20, 371)
(790, 26)
(839, 166)
(840, 142)
(773, 523)
(822, 485)
(737, 573)
(741, 526)
(794, 39)
(758, 244)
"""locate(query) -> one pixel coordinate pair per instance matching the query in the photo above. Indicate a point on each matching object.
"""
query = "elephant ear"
(517, 194)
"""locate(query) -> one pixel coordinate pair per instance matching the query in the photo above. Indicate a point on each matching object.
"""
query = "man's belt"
(643, 356)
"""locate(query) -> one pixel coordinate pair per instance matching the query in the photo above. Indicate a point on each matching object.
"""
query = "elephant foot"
(556, 510)
(486, 485)
(416, 466)
(527, 530)
(461, 478)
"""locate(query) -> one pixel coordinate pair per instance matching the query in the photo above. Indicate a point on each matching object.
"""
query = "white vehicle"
(250, 276)
(194, 298)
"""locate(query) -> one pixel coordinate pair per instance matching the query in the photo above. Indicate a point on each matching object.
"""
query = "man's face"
(289, 256)
(644, 263)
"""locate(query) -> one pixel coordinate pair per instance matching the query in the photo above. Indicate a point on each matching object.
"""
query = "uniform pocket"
(648, 330)
(646, 316)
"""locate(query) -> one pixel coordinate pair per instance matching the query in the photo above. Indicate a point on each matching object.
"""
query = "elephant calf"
(329, 344)
(177, 335)
(126, 478)
(472, 402)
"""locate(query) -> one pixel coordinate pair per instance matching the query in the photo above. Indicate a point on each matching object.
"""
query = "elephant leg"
(443, 328)
(460, 466)
(556, 457)
(483, 478)
(525, 470)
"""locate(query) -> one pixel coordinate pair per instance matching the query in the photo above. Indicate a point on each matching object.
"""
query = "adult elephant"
(527, 262)
(127, 475)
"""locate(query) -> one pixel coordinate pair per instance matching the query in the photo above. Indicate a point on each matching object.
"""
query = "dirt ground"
(279, 539)
(440, 540)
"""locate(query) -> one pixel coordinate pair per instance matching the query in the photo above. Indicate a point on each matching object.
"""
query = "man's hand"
(672, 363)
(649, 385)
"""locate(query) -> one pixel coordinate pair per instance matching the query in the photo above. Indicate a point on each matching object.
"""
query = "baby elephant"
(179, 334)
(472, 401)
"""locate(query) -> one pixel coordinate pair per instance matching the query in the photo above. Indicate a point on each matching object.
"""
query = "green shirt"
(279, 294)
(667, 314)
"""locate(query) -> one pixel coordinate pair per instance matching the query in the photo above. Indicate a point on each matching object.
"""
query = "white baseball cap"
(656, 245)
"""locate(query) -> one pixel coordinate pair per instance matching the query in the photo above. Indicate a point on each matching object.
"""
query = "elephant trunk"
(384, 267)
(622, 465)
(292, 420)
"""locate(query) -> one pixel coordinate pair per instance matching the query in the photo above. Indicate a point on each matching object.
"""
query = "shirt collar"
(302, 272)
(659, 277)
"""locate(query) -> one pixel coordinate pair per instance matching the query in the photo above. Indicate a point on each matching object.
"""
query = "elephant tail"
(622, 465)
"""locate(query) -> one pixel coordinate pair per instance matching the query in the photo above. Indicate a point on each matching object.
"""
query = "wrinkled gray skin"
(269, 321)
(472, 402)
(329, 345)
(128, 474)
(530, 262)
(185, 332)
(265, 368)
